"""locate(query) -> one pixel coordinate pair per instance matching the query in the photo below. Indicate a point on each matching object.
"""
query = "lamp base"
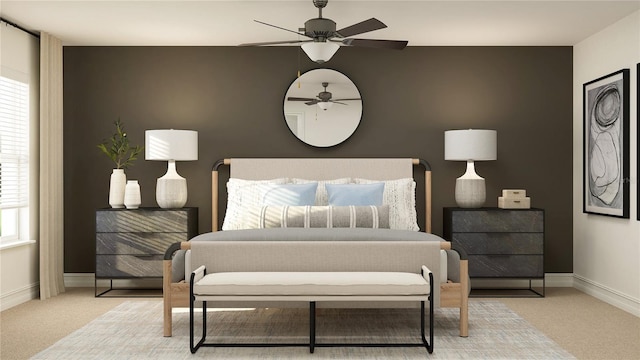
(470, 193)
(171, 189)
(171, 193)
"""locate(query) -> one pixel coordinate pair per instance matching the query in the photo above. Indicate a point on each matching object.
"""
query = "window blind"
(14, 144)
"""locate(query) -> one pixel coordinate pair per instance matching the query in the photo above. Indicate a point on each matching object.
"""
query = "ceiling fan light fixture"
(325, 105)
(320, 51)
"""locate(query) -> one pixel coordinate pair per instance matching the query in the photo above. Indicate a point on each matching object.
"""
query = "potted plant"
(118, 149)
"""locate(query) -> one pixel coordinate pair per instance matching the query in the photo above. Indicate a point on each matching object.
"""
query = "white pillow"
(243, 194)
(400, 195)
(375, 217)
(322, 197)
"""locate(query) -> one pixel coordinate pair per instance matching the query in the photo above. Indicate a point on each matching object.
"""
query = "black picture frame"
(606, 145)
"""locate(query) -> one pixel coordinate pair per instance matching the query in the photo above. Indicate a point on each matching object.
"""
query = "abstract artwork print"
(606, 145)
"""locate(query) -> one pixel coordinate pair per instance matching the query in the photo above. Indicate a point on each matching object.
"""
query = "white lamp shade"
(178, 145)
(325, 105)
(320, 51)
(474, 145)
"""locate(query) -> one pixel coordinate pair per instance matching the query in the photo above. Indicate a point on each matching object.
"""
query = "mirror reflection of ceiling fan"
(323, 100)
(324, 38)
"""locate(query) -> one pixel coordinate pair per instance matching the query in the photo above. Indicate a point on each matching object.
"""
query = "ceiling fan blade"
(300, 99)
(346, 99)
(361, 27)
(337, 102)
(276, 42)
(281, 28)
(312, 102)
(380, 44)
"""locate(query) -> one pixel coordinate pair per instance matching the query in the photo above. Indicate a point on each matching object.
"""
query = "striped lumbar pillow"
(261, 217)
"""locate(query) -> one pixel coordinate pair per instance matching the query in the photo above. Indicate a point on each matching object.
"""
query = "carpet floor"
(133, 330)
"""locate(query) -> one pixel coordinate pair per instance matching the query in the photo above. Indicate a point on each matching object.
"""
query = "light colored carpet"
(133, 330)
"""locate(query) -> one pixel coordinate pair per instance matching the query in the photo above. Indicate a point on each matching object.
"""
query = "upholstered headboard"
(320, 169)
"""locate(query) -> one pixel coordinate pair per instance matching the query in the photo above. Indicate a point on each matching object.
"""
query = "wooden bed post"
(166, 297)
(214, 192)
(427, 192)
(170, 294)
(464, 301)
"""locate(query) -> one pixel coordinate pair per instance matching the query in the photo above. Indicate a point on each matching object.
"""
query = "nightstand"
(130, 244)
(500, 243)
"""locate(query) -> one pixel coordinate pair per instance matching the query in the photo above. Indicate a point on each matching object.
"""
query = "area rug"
(133, 330)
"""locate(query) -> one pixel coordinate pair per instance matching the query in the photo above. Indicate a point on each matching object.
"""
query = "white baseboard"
(550, 280)
(19, 296)
(78, 280)
(559, 279)
(608, 295)
(88, 280)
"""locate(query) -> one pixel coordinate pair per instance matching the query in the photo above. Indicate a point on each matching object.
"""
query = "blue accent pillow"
(355, 194)
(290, 194)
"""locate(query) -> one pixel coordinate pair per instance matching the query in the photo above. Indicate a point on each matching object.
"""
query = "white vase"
(132, 195)
(116, 188)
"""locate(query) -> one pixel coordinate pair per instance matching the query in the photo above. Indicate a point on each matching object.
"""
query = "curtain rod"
(19, 27)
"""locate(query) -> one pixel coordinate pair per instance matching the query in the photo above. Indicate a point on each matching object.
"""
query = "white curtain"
(51, 177)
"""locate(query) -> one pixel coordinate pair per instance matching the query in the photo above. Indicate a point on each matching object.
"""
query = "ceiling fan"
(323, 100)
(324, 38)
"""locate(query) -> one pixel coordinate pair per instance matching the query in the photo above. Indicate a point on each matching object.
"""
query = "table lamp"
(470, 145)
(171, 145)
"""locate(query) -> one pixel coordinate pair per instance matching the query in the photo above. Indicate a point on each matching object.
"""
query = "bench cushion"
(312, 283)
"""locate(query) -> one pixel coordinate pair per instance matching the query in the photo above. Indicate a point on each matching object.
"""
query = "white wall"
(19, 58)
(606, 250)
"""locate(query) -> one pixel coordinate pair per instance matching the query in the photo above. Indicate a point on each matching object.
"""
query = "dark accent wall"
(233, 97)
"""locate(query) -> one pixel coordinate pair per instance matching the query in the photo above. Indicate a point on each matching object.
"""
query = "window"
(14, 160)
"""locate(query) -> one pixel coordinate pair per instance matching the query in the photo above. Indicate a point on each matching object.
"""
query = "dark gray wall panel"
(233, 97)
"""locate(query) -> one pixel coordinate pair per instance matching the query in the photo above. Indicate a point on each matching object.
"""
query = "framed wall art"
(606, 145)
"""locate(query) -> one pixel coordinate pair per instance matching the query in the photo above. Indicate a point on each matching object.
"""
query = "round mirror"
(322, 107)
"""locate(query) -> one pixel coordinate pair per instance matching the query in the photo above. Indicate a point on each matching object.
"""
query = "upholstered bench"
(305, 273)
(311, 287)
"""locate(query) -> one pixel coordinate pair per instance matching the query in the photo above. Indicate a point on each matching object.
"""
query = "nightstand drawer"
(142, 221)
(128, 266)
(136, 243)
(500, 243)
(506, 266)
(497, 221)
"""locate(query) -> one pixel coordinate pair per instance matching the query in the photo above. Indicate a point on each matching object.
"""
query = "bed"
(333, 178)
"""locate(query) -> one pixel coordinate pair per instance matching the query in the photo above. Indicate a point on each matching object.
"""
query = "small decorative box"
(514, 193)
(514, 203)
